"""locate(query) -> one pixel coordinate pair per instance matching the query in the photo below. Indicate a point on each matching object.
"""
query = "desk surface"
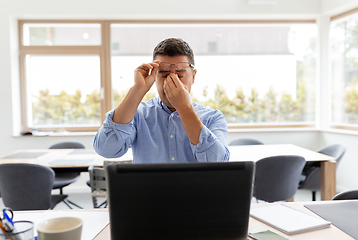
(257, 152)
(60, 158)
(83, 158)
(331, 233)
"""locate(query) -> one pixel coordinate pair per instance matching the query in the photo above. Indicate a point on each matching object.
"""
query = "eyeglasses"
(181, 68)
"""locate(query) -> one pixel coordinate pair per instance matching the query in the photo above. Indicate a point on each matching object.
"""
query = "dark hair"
(174, 47)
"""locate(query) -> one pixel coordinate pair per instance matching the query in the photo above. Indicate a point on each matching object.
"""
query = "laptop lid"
(180, 201)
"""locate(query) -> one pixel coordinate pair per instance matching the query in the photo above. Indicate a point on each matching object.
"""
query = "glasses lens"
(182, 66)
(164, 67)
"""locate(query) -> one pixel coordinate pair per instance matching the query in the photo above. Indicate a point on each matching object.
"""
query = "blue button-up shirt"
(157, 135)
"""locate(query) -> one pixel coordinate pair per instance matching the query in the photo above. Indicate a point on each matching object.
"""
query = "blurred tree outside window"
(344, 73)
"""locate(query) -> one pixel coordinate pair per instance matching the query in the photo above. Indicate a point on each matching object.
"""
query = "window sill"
(287, 129)
(57, 134)
(340, 131)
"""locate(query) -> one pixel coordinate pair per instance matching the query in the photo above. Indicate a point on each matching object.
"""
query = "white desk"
(66, 158)
(257, 152)
(331, 233)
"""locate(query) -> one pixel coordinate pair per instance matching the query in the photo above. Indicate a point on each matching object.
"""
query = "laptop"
(180, 201)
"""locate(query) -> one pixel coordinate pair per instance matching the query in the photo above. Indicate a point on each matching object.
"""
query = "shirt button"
(172, 114)
(171, 136)
(172, 158)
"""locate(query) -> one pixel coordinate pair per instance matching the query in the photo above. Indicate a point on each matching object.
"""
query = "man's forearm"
(192, 124)
(125, 111)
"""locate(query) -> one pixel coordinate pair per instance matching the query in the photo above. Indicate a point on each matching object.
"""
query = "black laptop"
(180, 201)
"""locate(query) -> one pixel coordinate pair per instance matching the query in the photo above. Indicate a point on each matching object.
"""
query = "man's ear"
(194, 74)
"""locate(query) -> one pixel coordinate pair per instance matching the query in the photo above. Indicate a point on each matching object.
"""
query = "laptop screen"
(180, 201)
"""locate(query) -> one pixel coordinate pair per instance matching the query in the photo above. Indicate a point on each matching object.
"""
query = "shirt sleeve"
(212, 146)
(113, 140)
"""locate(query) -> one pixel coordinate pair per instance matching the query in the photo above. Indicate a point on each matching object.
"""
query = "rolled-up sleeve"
(212, 146)
(113, 140)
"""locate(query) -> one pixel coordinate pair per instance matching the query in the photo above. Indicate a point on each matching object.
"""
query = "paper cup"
(60, 228)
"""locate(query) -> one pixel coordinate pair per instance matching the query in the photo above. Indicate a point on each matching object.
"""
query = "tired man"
(170, 128)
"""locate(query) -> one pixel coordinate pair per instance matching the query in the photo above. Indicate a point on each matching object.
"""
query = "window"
(254, 73)
(344, 74)
(257, 74)
(62, 76)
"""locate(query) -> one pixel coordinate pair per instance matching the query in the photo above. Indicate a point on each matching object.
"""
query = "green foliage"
(271, 108)
(351, 106)
(67, 109)
(64, 108)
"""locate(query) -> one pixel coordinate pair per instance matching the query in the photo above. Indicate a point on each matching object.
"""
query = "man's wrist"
(185, 109)
(139, 90)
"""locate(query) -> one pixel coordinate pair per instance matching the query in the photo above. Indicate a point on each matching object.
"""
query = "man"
(170, 128)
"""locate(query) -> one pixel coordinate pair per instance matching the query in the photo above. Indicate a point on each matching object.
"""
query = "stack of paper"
(288, 220)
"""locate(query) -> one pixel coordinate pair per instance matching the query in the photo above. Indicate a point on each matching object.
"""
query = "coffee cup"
(60, 228)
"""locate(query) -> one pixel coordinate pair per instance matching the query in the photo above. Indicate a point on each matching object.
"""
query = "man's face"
(185, 73)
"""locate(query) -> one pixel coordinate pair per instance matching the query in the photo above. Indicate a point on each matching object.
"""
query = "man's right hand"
(144, 75)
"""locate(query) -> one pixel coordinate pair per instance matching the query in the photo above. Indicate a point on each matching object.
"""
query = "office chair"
(28, 187)
(64, 177)
(277, 177)
(311, 174)
(245, 141)
(347, 195)
(98, 185)
(97, 182)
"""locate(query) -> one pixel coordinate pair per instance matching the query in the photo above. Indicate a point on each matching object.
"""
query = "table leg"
(328, 180)
(292, 199)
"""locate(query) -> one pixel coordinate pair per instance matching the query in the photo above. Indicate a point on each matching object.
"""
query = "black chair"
(311, 174)
(64, 177)
(245, 141)
(277, 177)
(28, 187)
(347, 195)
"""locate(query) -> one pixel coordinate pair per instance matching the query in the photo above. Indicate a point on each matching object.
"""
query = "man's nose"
(172, 68)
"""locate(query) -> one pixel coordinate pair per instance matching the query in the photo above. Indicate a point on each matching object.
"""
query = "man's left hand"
(176, 92)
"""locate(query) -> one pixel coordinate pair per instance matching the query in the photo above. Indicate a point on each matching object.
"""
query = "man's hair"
(174, 47)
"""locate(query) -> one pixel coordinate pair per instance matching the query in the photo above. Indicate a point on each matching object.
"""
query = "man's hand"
(144, 75)
(176, 92)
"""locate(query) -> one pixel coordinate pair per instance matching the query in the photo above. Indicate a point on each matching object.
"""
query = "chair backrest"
(97, 178)
(336, 150)
(245, 141)
(347, 195)
(277, 177)
(65, 145)
(26, 186)
(98, 175)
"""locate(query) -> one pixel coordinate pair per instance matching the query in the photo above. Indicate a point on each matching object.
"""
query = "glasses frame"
(175, 65)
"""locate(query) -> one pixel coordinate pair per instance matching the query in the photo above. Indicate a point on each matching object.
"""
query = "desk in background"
(257, 152)
(83, 158)
(77, 159)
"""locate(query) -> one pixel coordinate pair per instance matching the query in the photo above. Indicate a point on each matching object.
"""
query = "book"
(288, 220)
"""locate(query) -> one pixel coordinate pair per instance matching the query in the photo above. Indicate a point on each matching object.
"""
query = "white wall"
(10, 11)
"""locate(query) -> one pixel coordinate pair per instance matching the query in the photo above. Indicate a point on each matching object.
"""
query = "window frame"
(340, 126)
(105, 69)
(104, 53)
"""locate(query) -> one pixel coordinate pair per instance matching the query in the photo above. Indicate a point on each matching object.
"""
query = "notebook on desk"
(180, 201)
(288, 220)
